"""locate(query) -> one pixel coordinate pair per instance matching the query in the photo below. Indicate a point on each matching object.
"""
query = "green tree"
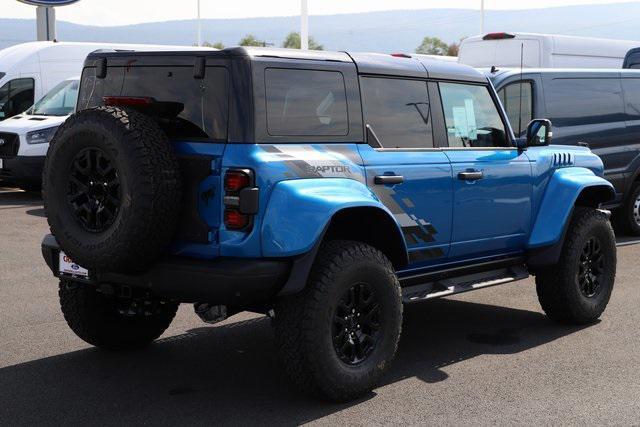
(293, 42)
(453, 49)
(251, 40)
(433, 46)
(216, 45)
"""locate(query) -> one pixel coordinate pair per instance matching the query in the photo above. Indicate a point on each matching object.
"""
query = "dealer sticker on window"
(67, 266)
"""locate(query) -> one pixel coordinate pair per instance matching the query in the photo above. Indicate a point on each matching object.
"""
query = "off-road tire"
(558, 287)
(303, 322)
(95, 318)
(626, 215)
(149, 189)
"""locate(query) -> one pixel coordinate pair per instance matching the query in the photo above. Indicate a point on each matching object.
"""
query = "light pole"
(199, 26)
(481, 16)
(304, 25)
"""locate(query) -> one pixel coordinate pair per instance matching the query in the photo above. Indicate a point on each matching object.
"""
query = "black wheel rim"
(93, 190)
(356, 324)
(591, 268)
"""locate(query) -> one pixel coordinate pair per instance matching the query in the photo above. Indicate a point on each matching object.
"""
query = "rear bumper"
(228, 281)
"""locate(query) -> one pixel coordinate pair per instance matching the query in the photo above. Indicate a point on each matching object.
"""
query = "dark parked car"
(595, 108)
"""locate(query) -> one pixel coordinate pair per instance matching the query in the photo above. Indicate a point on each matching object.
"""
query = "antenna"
(520, 106)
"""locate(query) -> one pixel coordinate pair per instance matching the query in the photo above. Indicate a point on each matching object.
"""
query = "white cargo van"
(543, 51)
(26, 136)
(30, 70)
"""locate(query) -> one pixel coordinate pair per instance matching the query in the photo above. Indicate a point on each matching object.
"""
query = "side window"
(517, 101)
(584, 101)
(398, 111)
(306, 103)
(632, 98)
(471, 116)
(16, 96)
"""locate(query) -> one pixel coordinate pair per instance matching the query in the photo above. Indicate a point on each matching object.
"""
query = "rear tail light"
(498, 36)
(235, 220)
(241, 199)
(401, 55)
(236, 180)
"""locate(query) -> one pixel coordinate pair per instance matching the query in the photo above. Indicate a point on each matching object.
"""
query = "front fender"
(563, 189)
(299, 210)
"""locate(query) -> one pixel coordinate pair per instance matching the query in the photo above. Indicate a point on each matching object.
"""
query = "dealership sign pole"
(46, 16)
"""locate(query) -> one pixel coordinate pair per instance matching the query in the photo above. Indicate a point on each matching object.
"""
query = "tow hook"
(211, 313)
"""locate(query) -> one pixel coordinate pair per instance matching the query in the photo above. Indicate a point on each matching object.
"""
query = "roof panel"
(378, 63)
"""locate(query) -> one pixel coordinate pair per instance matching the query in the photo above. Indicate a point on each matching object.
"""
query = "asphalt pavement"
(487, 357)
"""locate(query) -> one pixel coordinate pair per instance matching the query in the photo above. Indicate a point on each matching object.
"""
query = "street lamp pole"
(304, 25)
(199, 26)
(481, 16)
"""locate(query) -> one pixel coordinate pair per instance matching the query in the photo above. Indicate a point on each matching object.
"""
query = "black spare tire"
(111, 189)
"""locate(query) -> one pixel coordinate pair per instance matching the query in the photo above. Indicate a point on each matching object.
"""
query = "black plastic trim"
(225, 281)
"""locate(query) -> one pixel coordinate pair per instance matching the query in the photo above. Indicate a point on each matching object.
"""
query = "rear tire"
(113, 323)
(578, 288)
(337, 337)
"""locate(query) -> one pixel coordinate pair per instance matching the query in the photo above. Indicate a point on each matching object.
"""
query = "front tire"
(578, 288)
(337, 337)
(113, 323)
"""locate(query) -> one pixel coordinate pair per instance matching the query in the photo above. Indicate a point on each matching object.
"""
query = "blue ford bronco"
(325, 189)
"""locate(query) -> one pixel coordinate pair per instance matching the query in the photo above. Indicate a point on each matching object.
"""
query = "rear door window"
(471, 116)
(398, 111)
(306, 103)
(200, 107)
(517, 101)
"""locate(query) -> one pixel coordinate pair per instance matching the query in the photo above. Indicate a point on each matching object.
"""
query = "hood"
(22, 123)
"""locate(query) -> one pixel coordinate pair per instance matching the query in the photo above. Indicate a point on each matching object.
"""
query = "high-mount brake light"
(401, 55)
(236, 180)
(235, 220)
(498, 36)
(128, 101)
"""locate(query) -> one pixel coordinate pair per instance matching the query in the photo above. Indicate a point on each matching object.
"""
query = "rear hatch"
(188, 93)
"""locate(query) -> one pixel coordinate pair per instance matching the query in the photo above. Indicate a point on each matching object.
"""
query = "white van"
(29, 70)
(542, 51)
(32, 131)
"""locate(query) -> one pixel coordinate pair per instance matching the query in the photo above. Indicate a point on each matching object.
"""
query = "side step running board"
(469, 282)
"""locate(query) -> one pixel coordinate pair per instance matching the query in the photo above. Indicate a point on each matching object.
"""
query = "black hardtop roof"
(367, 63)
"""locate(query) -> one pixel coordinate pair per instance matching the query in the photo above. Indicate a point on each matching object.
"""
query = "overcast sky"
(121, 12)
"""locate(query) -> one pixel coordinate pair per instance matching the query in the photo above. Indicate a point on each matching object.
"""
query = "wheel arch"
(582, 189)
(373, 226)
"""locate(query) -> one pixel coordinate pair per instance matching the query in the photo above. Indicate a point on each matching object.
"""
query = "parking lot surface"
(488, 357)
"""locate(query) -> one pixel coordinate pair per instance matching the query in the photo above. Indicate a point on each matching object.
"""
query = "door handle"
(388, 179)
(470, 175)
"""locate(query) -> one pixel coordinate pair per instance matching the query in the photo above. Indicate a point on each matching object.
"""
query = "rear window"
(306, 103)
(202, 105)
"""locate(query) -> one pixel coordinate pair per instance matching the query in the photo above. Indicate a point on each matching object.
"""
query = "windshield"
(60, 101)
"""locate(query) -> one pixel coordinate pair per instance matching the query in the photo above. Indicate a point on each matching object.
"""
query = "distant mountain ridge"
(396, 30)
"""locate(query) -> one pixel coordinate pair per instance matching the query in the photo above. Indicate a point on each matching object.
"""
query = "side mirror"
(539, 133)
